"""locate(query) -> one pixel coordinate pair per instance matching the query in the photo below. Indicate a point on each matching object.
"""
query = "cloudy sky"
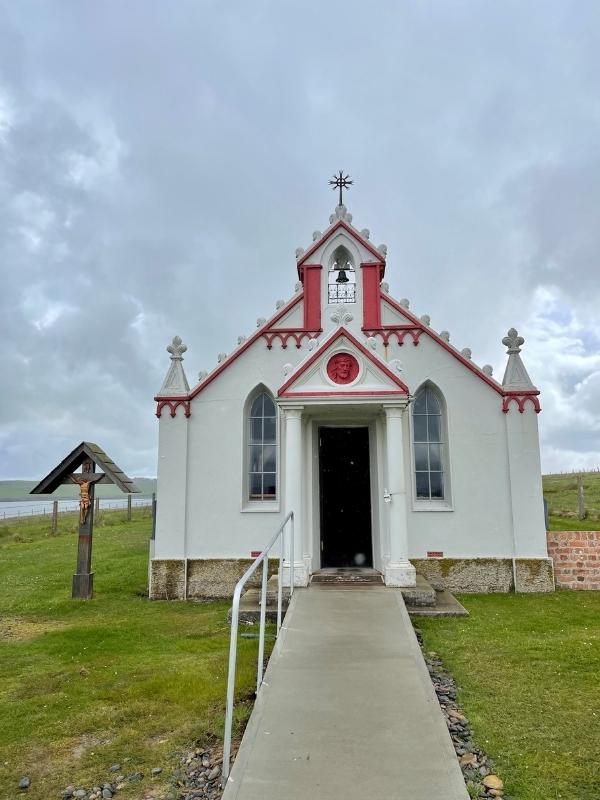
(161, 161)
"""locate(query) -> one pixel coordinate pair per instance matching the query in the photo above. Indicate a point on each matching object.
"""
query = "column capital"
(292, 412)
(396, 409)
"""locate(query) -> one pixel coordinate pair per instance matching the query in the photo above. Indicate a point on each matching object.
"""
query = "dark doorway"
(345, 497)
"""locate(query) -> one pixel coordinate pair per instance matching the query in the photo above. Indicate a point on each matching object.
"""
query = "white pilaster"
(398, 571)
(293, 489)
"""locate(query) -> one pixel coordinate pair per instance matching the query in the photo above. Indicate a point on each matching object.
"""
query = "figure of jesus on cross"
(85, 482)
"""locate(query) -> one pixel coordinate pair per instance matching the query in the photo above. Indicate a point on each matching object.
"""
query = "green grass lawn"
(528, 671)
(117, 679)
(561, 493)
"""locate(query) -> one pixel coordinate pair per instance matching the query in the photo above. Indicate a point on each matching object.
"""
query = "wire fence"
(574, 495)
(26, 509)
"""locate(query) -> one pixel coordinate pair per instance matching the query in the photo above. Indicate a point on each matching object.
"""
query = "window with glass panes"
(428, 445)
(262, 449)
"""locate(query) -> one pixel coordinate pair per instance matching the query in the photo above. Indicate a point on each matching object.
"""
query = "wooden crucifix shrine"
(88, 456)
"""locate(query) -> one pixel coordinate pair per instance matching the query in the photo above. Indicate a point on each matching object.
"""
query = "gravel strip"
(477, 768)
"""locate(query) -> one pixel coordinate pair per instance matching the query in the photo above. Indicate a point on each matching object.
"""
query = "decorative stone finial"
(425, 319)
(260, 321)
(221, 357)
(513, 341)
(396, 365)
(287, 369)
(383, 250)
(313, 344)
(372, 342)
(177, 348)
(241, 339)
(365, 233)
(405, 302)
(298, 286)
(202, 374)
(316, 235)
(279, 304)
(299, 252)
(466, 353)
(515, 377)
(341, 316)
(341, 212)
(385, 287)
(175, 382)
(488, 369)
(445, 335)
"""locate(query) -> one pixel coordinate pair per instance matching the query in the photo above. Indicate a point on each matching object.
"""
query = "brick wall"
(576, 556)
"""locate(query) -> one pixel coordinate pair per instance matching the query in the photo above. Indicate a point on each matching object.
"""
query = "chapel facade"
(394, 450)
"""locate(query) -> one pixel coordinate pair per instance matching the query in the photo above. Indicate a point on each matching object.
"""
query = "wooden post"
(83, 579)
(54, 516)
(128, 508)
(581, 512)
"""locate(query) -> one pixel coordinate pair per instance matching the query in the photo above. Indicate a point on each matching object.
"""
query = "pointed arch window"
(429, 447)
(262, 449)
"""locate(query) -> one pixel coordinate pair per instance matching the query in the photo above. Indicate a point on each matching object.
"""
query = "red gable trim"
(373, 393)
(326, 345)
(238, 351)
(351, 232)
(433, 335)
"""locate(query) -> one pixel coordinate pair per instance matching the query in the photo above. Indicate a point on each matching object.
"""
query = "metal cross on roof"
(341, 182)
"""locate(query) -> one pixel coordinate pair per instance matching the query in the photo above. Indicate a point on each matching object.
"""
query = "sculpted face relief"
(342, 368)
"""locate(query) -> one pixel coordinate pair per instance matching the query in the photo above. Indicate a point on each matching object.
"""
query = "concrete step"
(446, 605)
(346, 576)
(250, 603)
(423, 594)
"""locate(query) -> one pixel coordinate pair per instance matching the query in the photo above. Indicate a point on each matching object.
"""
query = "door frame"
(314, 514)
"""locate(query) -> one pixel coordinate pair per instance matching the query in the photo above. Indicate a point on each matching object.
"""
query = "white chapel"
(394, 450)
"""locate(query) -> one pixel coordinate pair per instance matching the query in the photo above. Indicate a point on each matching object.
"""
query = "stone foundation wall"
(576, 556)
(207, 578)
(487, 574)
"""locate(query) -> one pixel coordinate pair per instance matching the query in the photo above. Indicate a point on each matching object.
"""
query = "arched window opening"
(262, 449)
(342, 277)
(428, 443)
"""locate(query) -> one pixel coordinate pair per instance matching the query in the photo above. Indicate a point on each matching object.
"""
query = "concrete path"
(348, 711)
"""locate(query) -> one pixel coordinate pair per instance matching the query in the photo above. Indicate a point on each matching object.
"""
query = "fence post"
(97, 509)
(54, 516)
(128, 508)
(581, 512)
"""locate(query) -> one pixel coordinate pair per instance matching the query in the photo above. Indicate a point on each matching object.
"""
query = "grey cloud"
(163, 163)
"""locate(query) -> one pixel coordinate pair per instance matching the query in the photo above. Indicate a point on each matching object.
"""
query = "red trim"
(371, 297)
(433, 335)
(237, 352)
(383, 393)
(349, 230)
(399, 331)
(173, 403)
(324, 349)
(435, 554)
(311, 278)
(283, 334)
(521, 398)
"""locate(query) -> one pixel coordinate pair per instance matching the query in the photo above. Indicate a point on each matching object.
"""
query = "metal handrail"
(235, 613)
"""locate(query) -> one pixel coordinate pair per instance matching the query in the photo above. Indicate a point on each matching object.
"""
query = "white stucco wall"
(202, 460)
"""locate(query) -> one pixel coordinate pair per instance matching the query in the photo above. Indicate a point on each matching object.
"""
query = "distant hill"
(19, 490)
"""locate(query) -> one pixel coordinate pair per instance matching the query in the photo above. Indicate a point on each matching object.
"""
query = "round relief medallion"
(342, 368)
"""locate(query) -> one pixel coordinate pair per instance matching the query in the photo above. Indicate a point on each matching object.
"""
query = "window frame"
(432, 503)
(261, 505)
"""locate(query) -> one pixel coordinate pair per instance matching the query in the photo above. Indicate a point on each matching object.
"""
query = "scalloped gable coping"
(437, 338)
(351, 232)
(323, 349)
(281, 312)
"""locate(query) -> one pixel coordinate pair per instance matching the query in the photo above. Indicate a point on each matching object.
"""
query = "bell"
(342, 277)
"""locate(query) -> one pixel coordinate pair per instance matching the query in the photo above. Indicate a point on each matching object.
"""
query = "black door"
(345, 497)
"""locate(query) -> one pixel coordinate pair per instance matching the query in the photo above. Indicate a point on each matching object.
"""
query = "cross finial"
(341, 182)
